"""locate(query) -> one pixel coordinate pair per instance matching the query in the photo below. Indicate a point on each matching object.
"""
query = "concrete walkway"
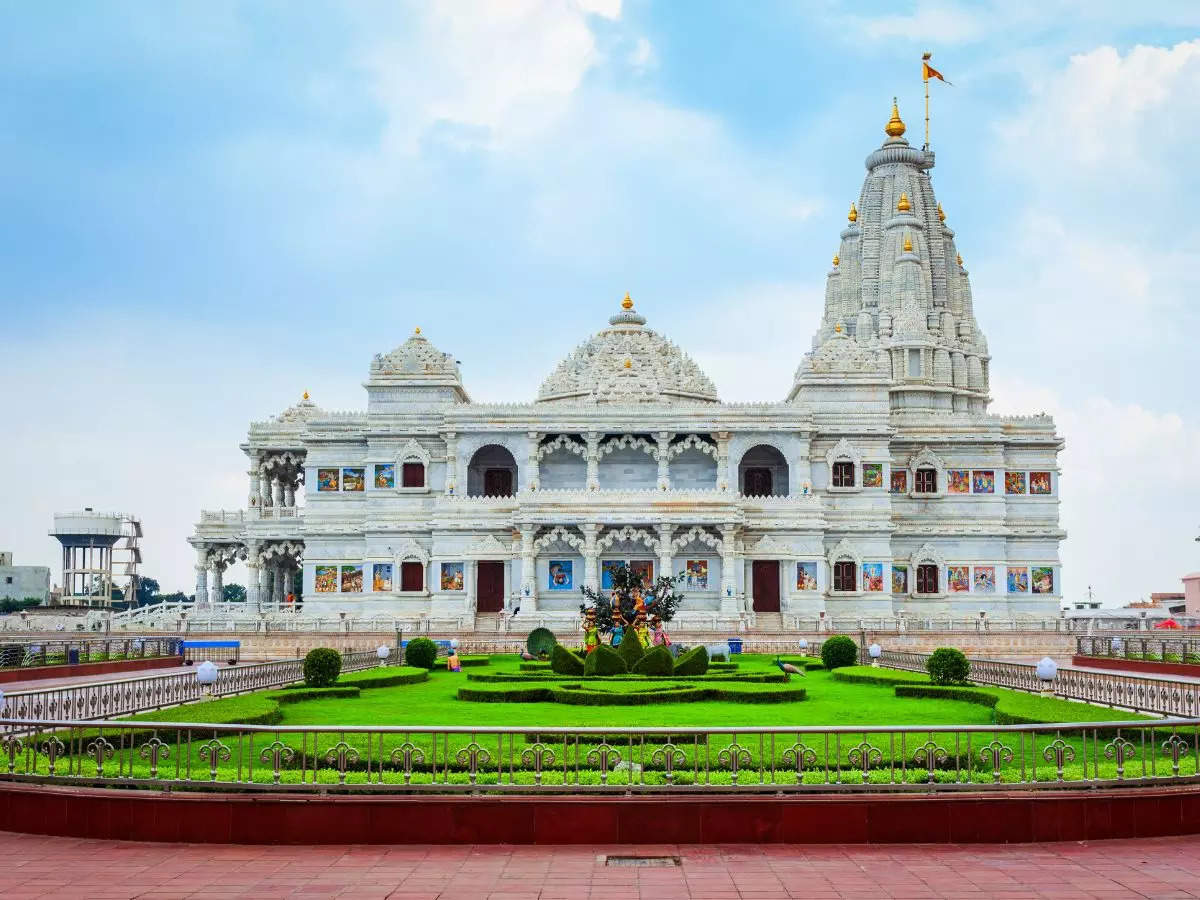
(48, 683)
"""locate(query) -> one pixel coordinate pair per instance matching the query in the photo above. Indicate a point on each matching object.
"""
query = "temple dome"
(628, 363)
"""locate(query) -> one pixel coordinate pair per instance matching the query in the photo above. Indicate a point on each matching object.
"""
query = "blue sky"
(211, 207)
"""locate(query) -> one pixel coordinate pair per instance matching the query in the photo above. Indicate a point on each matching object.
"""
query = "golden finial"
(895, 127)
(629, 363)
(838, 327)
(835, 260)
(902, 205)
(306, 395)
(907, 242)
(941, 213)
(627, 303)
(853, 214)
(417, 330)
(959, 260)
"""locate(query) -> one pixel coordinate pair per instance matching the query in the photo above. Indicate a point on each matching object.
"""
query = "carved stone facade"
(881, 465)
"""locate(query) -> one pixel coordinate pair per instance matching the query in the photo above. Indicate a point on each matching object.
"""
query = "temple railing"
(1150, 649)
(32, 654)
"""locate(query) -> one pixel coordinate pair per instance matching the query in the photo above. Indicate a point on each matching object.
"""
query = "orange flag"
(928, 71)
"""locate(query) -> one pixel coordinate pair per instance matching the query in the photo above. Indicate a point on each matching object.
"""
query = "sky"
(211, 207)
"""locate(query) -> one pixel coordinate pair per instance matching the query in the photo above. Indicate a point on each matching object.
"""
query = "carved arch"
(927, 553)
(629, 442)
(926, 459)
(413, 452)
(843, 551)
(696, 533)
(628, 533)
(558, 533)
(409, 550)
(692, 442)
(562, 442)
(843, 449)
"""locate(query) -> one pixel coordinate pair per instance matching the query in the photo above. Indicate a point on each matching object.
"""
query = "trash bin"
(735, 645)
(72, 656)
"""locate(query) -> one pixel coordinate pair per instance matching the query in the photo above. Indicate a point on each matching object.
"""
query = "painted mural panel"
(381, 577)
(644, 568)
(1039, 482)
(327, 479)
(872, 576)
(983, 481)
(452, 576)
(385, 475)
(561, 577)
(958, 481)
(1018, 580)
(352, 579)
(326, 579)
(872, 475)
(985, 579)
(697, 574)
(899, 579)
(806, 576)
(607, 568)
(1043, 579)
(354, 479)
(959, 579)
(899, 481)
(1014, 482)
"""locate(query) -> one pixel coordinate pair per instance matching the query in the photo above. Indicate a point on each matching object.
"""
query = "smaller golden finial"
(959, 260)
(627, 303)
(417, 330)
(629, 363)
(853, 214)
(907, 242)
(306, 395)
(895, 126)
(941, 213)
(902, 205)
(838, 327)
(835, 260)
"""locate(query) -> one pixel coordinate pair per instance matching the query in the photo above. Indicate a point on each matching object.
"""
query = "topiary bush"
(947, 665)
(693, 662)
(322, 667)
(541, 642)
(839, 651)
(655, 661)
(604, 661)
(564, 662)
(630, 649)
(420, 652)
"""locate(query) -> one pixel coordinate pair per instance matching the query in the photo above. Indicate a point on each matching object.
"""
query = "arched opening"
(763, 472)
(492, 472)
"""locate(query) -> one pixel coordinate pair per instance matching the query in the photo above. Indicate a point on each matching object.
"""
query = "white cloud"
(642, 56)
(944, 23)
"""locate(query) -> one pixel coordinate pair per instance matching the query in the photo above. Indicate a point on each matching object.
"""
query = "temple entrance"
(766, 585)
(489, 586)
(758, 483)
(497, 483)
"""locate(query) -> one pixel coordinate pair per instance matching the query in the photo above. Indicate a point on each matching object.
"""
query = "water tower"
(88, 538)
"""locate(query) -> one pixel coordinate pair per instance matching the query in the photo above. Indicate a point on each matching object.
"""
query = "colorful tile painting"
(325, 581)
(697, 574)
(959, 579)
(1043, 579)
(354, 479)
(385, 475)
(607, 568)
(381, 578)
(1018, 580)
(983, 481)
(327, 479)
(958, 481)
(1039, 482)
(645, 569)
(561, 575)
(899, 481)
(872, 576)
(806, 576)
(872, 475)
(452, 576)
(985, 579)
(899, 579)
(1014, 482)
(352, 579)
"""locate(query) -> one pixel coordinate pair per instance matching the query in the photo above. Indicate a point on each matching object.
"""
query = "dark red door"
(412, 576)
(497, 483)
(489, 586)
(758, 483)
(766, 585)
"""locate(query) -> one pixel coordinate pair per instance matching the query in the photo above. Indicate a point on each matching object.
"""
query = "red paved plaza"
(67, 867)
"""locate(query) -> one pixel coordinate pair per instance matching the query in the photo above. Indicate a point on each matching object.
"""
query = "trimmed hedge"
(885, 677)
(946, 665)
(550, 677)
(322, 667)
(630, 649)
(604, 660)
(582, 694)
(538, 666)
(389, 676)
(656, 661)
(838, 652)
(693, 662)
(421, 653)
(474, 661)
(562, 662)
(939, 692)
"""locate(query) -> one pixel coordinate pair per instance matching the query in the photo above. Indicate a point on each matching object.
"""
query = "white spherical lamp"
(875, 651)
(383, 651)
(206, 676)
(454, 643)
(1046, 670)
(802, 644)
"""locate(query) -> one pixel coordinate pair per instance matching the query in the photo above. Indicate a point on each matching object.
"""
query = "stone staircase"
(487, 623)
(767, 623)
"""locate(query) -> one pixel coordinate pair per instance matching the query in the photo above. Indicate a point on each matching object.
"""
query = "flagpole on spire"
(925, 77)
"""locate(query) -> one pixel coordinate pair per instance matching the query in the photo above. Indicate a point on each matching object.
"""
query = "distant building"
(23, 582)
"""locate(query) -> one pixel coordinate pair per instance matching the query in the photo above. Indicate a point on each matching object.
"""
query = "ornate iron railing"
(1153, 649)
(30, 654)
(585, 760)
(1155, 695)
(103, 699)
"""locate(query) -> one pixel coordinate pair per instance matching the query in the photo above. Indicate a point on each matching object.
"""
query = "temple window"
(412, 576)
(492, 472)
(763, 472)
(926, 481)
(845, 576)
(412, 475)
(843, 473)
(927, 578)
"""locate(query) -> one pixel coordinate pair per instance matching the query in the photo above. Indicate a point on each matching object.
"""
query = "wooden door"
(489, 586)
(497, 483)
(766, 585)
(758, 483)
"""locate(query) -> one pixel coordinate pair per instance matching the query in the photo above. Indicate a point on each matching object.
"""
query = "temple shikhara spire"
(876, 482)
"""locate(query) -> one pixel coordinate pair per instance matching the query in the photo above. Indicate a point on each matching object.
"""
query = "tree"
(147, 588)
(660, 598)
(234, 593)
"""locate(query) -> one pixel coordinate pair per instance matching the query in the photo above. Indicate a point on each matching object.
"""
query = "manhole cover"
(641, 860)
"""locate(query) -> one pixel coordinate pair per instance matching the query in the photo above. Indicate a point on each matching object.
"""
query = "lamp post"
(1047, 669)
(803, 645)
(206, 677)
(383, 651)
(875, 651)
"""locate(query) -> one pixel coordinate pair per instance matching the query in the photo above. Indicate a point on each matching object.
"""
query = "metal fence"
(1154, 695)
(29, 654)
(100, 700)
(587, 760)
(1154, 649)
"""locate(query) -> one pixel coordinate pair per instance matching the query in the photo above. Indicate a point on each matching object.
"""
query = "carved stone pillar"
(532, 474)
(252, 500)
(528, 570)
(591, 556)
(216, 593)
(730, 560)
(593, 460)
(722, 461)
(289, 491)
(665, 552)
(277, 491)
(663, 438)
(201, 576)
(451, 461)
(253, 597)
(264, 483)
(264, 584)
(277, 595)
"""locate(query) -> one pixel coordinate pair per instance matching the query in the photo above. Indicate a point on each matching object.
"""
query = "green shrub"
(839, 651)
(322, 667)
(655, 661)
(541, 642)
(389, 676)
(545, 666)
(421, 653)
(938, 692)
(947, 665)
(474, 661)
(693, 662)
(604, 660)
(630, 648)
(886, 677)
(564, 661)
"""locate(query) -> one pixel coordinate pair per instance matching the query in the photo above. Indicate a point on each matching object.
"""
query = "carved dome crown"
(416, 358)
(628, 363)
